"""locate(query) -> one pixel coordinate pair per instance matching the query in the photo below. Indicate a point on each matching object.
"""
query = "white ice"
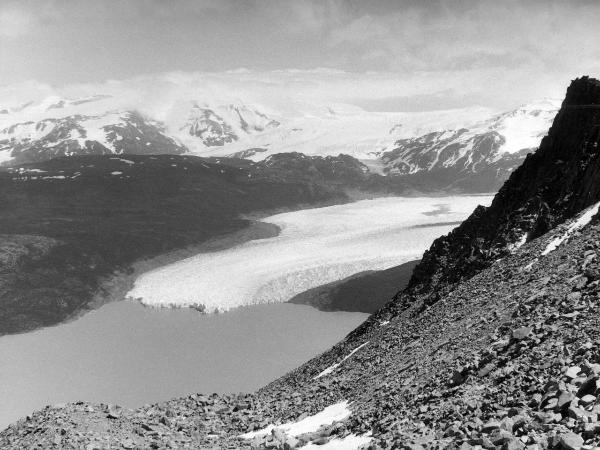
(310, 424)
(582, 220)
(350, 442)
(331, 368)
(315, 246)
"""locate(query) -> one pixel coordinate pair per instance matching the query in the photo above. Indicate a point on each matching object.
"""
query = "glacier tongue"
(315, 246)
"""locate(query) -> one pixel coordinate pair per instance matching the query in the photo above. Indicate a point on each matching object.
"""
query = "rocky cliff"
(551, 185)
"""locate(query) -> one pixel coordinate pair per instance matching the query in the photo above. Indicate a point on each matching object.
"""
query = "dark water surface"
(128, 354)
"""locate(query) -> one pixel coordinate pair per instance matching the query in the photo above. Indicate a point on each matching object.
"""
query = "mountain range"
(472, 149)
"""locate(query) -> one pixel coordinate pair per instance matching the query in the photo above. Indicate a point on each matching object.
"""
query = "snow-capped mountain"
(216, 128)
(502, 140)
(111, 132)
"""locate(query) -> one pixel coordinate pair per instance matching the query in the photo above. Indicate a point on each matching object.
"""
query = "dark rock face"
(553, 184)
(341, 167)
(141, 136)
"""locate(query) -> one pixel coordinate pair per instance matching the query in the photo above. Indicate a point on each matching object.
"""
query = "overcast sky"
(391, 55)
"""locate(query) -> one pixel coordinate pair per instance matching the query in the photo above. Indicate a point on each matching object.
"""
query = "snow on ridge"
(334, 413)
(582, 220)
(331, 368)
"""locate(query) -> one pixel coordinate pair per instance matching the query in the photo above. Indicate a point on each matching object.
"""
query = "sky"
(380, 55)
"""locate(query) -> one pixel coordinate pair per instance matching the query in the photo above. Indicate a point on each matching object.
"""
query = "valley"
(126, 354)
(299, 225)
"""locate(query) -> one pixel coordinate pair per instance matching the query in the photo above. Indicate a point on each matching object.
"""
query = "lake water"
(129, 354)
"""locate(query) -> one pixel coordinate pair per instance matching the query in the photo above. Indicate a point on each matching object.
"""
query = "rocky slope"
(492, 345)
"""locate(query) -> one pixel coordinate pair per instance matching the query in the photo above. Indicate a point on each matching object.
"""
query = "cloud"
(547, 35)
(400, 52)
(15, 22)
(294, 90)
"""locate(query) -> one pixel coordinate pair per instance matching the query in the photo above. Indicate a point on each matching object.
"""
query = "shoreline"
(115, 288)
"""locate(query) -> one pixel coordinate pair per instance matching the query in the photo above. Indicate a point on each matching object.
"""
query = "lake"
(129, 354)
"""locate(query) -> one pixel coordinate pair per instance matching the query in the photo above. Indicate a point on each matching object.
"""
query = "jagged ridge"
(550, 186)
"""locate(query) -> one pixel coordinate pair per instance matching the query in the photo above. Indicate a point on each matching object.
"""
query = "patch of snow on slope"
(315, 246)
(518, 244)
(126, 161)
(310, 424)
(350, 442)
(583, 219)
(5, 155)
(94, 127)
(331, 368)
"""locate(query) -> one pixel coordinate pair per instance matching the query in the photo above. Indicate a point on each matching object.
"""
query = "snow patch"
(331, 368)
(126, 161)
(582, 220)
(518, 244)
(350, 442)
(310, 424)
(5, 155)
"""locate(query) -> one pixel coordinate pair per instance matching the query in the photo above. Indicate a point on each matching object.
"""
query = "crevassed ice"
(315, 246)
(310, 424)
(582, 220)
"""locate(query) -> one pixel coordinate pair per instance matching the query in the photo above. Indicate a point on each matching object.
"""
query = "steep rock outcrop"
(552, 184)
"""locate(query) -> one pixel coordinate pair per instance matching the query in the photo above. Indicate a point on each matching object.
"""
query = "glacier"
(315, 246)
